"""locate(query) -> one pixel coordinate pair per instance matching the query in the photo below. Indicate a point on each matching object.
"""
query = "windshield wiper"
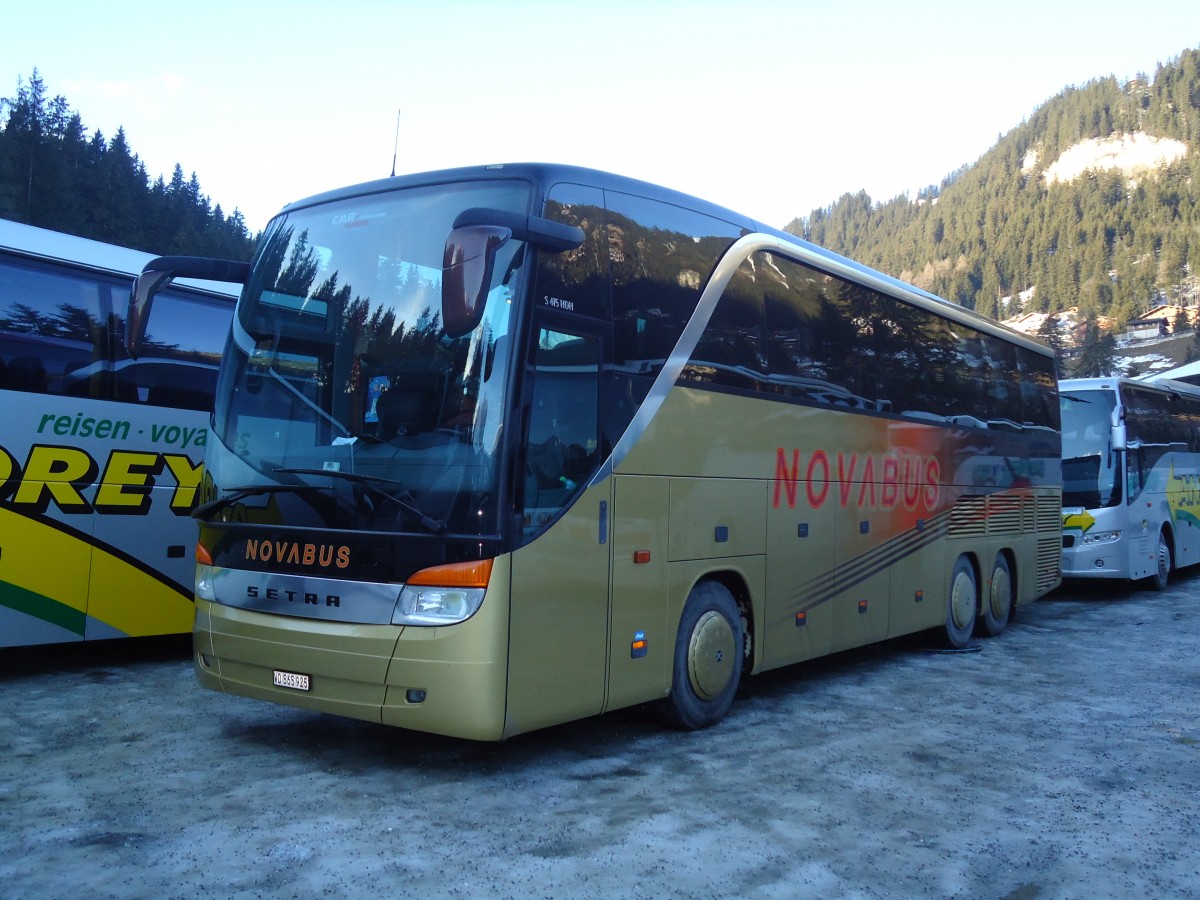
(205, 510)
(404, 499)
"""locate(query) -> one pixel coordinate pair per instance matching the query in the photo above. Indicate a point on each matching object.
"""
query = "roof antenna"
(396, 145)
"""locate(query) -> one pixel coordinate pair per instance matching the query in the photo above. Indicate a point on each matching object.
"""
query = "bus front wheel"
(708, 658)
(962, 604)
(997, 609)
(1162, 564)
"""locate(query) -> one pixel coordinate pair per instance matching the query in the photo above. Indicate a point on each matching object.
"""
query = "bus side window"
(659, 258)
(178, 366)
(561, 447)
(51, 331)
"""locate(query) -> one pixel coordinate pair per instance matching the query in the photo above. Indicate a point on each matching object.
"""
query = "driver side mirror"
(469, 258)
(159, 272)
(467, 265)
(1119, 435)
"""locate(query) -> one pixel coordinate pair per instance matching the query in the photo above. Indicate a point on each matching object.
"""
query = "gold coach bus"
(501, 447)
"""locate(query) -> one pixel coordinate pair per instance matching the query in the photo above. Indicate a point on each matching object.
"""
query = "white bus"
(101, 455)
(1131, 478)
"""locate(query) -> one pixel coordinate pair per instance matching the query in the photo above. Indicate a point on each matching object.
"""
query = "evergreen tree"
(1097, 352)
(1048, 333)
(53, 175)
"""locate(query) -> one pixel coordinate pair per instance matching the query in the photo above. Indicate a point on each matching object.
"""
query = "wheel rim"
(710, 655)
(1164, 560)
(962, 600)
(1001, 598)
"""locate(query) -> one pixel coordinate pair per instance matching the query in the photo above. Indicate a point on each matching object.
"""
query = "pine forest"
(1090, 207)
(53, 175)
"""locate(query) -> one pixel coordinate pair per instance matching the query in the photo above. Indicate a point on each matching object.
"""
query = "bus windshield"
(340, 380)
(1090, 468)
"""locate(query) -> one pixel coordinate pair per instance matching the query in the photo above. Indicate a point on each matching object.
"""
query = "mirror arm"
(200, 267)
(542, 233)
(162, 269)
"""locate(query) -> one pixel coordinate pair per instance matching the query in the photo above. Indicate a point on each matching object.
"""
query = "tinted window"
(52, 326)
(576, 281)
(1155, 419)
(180, 355)
(660, 257)
(787, 329)
(562, 445)
(59, 327)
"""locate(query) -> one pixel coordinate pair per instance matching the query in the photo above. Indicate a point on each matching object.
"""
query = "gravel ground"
(1061, 760)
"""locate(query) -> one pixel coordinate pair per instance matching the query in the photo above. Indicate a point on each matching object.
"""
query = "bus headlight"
(1102, 537)
(204, 583)
(443, 595)
(421, 605)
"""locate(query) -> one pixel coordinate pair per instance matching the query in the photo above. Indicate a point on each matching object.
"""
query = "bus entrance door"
(559, 595)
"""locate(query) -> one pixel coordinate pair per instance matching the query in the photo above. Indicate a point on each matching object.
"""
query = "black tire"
(998, 601)
(962, 605)
(708, 658)
(1162, 564)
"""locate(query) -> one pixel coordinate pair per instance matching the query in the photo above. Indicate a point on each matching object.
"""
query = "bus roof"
(41, 243)
(1188, 372)
(543, 176)
(1166, 385)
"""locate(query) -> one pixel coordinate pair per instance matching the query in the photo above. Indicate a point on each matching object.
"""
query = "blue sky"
(771, 108)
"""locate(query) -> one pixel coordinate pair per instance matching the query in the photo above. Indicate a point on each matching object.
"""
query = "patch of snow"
(1129, 153)
(1151, 363)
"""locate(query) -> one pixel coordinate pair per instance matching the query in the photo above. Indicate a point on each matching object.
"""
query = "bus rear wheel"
(962, 604)
(998, 608)
(708, 658)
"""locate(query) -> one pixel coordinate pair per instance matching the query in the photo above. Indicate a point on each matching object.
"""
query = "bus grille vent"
(968, 517)
(1049, 542)
(1004, 513)
(1049, 515)
(1016, 514)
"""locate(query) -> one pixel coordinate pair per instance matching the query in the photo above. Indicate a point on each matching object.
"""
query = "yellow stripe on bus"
(42, 561)
(135, 602)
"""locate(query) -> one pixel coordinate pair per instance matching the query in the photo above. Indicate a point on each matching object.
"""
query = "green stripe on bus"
(1184, 515)
(41, 607)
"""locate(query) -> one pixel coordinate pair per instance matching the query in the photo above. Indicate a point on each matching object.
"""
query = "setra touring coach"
(501, 447)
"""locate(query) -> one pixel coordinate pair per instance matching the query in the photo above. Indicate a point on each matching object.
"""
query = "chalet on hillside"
(1145, 329)
(1171, 313)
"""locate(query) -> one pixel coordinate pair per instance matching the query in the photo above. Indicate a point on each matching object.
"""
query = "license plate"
(291, 680)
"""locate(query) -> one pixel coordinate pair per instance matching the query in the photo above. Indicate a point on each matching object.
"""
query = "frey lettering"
(60, 477)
